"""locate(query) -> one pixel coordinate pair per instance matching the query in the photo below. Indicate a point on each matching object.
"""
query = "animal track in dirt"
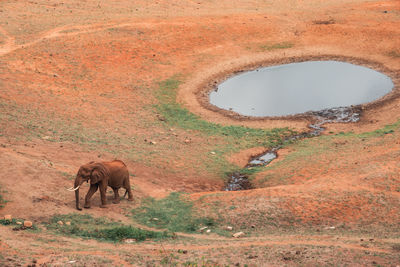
(66, 31)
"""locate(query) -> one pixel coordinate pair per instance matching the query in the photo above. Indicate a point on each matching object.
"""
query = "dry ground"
(81, 81)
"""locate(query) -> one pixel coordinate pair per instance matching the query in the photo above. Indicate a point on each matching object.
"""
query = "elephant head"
(95, 172)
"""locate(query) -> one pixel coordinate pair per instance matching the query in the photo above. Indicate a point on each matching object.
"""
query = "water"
(300, 87)
(264, 159)
(237, 182)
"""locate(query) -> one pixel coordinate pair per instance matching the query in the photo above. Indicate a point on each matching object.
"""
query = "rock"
(155, 219)
(19, 223)
(8, 217)
(187, 141)
(202, 229)
(68, 223)
(212, 153)
(46, 137)
(130, 240)
(238, 234)
(28, 224)
(153, 142)
(60, 223)
(330, 228)
(208, 231)
(228, 228)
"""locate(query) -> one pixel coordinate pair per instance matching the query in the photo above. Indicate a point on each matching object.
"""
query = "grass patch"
(8, 222)
(101, 229)
(174, 213)
(18, 224)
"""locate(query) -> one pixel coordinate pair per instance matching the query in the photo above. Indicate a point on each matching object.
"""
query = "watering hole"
(300, 87)
(326, 90)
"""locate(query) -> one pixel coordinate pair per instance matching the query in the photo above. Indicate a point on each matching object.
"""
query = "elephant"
(102, 174)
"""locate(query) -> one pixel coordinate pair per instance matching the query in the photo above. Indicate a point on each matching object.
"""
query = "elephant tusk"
(73, 189)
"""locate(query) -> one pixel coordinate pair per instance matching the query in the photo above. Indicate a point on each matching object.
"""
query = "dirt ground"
(80, 80)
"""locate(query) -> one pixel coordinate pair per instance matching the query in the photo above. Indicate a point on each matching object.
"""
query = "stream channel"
(238, 181)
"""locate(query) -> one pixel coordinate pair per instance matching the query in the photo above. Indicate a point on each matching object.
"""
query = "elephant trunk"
(77, 184)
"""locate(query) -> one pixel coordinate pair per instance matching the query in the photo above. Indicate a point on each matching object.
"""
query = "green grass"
(8, 222)
(17, 227)
(174, 213)
(86, 226)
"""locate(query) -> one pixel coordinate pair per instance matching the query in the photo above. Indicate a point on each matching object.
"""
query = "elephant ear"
(99, 172)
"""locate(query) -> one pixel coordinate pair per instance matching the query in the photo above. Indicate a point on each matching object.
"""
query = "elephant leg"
(92, 190)
(103, 189)
(127, 186)
(116, 196)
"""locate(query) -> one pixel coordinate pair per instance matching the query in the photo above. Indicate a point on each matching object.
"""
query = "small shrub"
(8, 222)
(396, 247)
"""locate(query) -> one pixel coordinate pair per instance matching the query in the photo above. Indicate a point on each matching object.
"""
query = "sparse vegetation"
(18, 224)
(394, 54)
(270, 47)
(174, 213)
(2, 200)
(101, 229)
(314, 149)
(324, 22)
(8, 222)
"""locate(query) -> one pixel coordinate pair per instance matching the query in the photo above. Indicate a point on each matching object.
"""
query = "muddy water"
(300, 87)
